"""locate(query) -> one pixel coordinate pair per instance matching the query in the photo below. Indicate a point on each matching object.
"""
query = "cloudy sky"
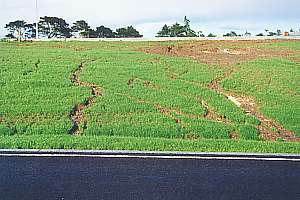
(148, 16)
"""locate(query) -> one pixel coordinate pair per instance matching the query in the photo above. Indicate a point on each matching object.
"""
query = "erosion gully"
(77, 113)
(248, 105)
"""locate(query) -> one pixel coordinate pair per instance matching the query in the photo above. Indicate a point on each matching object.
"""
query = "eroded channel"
(77, 113)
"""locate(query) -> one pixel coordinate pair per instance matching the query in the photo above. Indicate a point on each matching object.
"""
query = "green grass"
(131, 110)
(36, 93)
(288, 44)
(144, 144)
(161, 109)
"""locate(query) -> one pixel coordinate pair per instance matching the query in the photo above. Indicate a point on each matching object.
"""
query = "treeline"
(181, 30)
(55, 27)
(184, 30)
(178, 30)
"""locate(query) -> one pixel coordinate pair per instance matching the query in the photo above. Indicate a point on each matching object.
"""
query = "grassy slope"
(49, 97)
(131, 110)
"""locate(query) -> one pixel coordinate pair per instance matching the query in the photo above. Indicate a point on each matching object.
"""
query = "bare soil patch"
(222, 53)
(145, 83)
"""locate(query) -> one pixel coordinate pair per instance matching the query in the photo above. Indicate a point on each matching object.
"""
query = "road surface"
(86, 175)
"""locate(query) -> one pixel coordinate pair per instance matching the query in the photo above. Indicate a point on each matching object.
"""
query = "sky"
(148, 16)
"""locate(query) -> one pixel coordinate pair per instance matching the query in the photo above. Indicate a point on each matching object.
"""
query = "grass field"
(189, 96)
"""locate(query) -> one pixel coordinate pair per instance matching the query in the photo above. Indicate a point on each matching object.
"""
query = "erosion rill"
(77, 114)
(267, 125)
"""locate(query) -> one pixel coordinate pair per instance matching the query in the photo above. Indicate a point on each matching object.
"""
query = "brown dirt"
(145, 83)
(76, 114)
(234, 136)
(221, 53)
(230, 53)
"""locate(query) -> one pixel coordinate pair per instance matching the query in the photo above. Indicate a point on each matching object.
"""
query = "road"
(126, 175)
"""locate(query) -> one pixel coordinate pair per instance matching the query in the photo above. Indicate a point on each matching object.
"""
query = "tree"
(200, 34)
(267, 31)
(122, 33)
(81, 27)
(247, 34)
(176, 30)
(187, 28)
(278, 32)
(10, 36)
(104, 32)
(128, 32)
(211, 35)
(31, 31)
(165, 31)
(91, 33)
(231, 34)
(18, 27)
(54, 27)
(260, 34)
(272, 33)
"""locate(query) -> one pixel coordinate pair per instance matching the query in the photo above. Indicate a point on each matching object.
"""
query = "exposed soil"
(76, 114)
(221, 53)
(229, 53)
(234, 136)
(145, 83)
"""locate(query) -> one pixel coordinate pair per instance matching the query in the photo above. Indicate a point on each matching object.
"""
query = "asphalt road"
(63, 177)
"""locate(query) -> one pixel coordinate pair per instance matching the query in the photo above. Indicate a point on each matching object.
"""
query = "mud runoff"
(77, 114)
